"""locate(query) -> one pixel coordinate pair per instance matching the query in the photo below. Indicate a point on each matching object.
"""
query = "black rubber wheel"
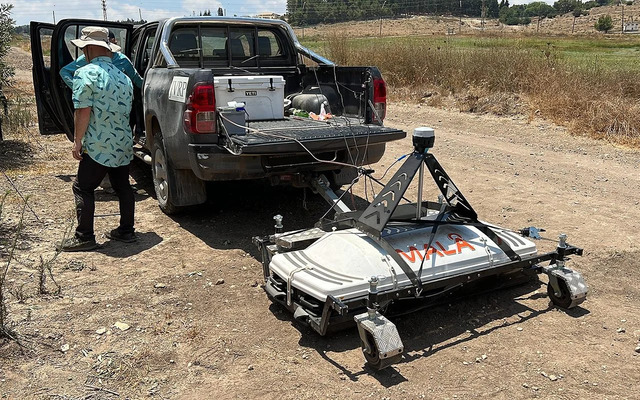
(373, 359)
(163, 177)
(562, 301)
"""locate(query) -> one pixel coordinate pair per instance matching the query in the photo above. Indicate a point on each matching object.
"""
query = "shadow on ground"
(425, 332)
(145, 241)
(15, 154)
(237, 211)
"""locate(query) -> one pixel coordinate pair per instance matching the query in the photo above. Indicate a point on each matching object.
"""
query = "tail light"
(200, 115)
(379, 100)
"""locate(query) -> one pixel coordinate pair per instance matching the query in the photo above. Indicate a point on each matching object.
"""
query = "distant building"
(268, 16)
(630, 27)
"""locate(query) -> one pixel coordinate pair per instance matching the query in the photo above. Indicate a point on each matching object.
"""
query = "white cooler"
(263, 95)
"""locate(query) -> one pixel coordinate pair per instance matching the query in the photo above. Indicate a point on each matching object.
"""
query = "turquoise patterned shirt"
(119, 60)
(109, 93)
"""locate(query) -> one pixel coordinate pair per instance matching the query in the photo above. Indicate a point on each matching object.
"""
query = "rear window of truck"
(207, 46)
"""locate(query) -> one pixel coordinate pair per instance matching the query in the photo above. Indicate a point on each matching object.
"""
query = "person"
(103, 144)
(120, 60)
(123, 63)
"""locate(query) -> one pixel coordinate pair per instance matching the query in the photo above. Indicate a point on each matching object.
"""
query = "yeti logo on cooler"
(250, 93)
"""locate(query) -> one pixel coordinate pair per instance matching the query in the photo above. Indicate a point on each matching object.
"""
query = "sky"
(25, 11)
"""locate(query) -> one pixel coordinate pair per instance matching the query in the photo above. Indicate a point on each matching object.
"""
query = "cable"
(394, 163)
(265, 133)
(353, 182)
(21, 196)
(315, 73)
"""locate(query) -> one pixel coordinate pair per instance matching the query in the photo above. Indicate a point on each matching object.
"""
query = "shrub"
(604, 23)
(6, 28)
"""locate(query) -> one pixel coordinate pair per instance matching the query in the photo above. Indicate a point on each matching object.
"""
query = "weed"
(2, 200)
(19, 115)
(338, 48)
(44, 269)
(5, 329)
(17, 291)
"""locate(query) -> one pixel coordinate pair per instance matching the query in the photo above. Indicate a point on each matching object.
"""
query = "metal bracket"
(321, 185)
(531, 232)
(573, 280)
(386, 347)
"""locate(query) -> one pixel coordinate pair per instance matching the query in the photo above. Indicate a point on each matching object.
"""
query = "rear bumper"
(213, 163)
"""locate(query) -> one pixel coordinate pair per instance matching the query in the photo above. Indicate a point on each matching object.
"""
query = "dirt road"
(200, 325)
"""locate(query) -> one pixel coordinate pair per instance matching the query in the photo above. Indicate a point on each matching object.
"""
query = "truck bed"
(269, 137)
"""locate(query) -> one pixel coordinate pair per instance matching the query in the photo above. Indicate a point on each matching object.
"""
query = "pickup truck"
(191, 67)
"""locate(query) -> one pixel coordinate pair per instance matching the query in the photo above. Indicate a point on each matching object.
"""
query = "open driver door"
(53, 96)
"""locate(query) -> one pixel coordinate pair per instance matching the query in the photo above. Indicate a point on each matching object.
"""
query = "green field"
(615, 53)
(586, 83)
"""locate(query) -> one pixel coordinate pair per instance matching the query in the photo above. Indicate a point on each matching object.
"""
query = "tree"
(565, 6)
(514, 15)
(310, 12)
(21, 29)
(6, 29)
(539, 9)
(590, 4)
(220, 12)
(493, 8)
(604, 23)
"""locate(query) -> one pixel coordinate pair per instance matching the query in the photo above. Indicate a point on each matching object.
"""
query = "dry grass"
(504, 80)
(24, 43)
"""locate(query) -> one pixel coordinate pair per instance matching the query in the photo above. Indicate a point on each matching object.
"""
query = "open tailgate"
(285, 136)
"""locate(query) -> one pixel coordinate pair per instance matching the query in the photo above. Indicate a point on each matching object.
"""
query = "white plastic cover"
(342, 262)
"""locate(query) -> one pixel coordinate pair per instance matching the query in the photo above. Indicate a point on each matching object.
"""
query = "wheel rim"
(160, 169)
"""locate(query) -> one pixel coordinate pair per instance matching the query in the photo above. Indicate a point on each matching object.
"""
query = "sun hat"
(95, 36)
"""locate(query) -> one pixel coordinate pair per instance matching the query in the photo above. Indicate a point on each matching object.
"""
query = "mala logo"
(250, 93)
(442, 251)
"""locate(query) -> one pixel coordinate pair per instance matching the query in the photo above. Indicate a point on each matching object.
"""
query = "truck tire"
(163, 177)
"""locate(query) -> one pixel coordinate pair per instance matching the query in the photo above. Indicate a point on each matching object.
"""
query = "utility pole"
(381, 10)
(104, 9)
(303, 18)
(622, 18)
(140, 13)
(54, 17)
(483, 13)
(460, 28)
(538, 27)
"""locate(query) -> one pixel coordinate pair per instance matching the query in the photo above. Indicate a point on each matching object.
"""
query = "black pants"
(90, 173)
